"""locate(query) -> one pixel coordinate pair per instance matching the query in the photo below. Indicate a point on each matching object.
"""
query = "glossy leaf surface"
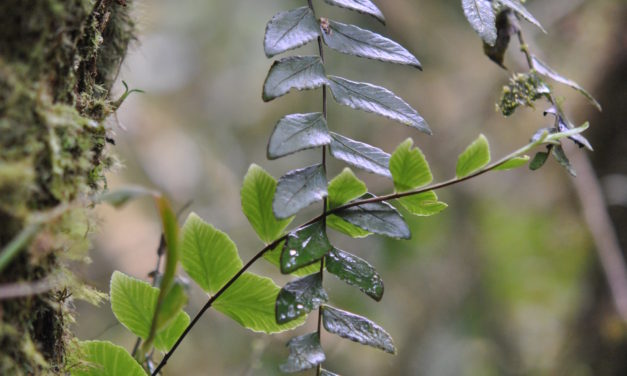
(352, 40)
(542, 68)
(409, 167)
(208, 255)
(298, 132)
(250, 301)
(294, 72)
(355, 271)
(257, 195)
(289, 30)
(298, 189)
(361, 6)
(274, 257)
(356, 328)
(304, 247)
(305, 353)
(517, 7)
(379, 218)
(360, 155)
(376, 99)
(474, 157)
(299, 297)
(481, 17)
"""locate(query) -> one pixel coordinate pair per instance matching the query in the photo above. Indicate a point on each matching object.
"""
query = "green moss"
(58, 60)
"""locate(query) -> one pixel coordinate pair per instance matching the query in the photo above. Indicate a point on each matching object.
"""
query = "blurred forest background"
(506, 281)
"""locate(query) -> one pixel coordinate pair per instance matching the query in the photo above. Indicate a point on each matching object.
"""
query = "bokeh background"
(506, 281)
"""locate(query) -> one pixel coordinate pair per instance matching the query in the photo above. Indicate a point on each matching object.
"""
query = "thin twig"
(23, 289)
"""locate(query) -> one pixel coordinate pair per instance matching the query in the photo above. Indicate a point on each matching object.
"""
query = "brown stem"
(324, 214)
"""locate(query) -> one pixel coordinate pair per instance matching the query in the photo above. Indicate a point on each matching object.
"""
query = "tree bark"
(58, 61)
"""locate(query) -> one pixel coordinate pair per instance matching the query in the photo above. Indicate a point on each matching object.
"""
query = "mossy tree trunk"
(58, 60)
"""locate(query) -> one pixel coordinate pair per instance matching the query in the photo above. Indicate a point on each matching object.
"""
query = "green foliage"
(513, 163)
(298, 132)
(304, 247)
(361, 6)
(274, 257)
(560, 156)
(482, 18)
(305, 353)
(355, 271)
(538, 160)
(171, 306)
(409, 167)
(257, 195)
(352, 40)
(377, 217)
(300, 297)
(375, 99)
(360, 155)
(302, 25)
(543, 69)
(103, 358)
(294, 72)
(134, 302)
(171, 333)
(208, 255)
(211, 258)
(340, 225)
(520, 9)
(476, 156)
(357, 329)
(250, 301)
(344, 188)
(170, 299)
(298, 189)
(423, 204)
